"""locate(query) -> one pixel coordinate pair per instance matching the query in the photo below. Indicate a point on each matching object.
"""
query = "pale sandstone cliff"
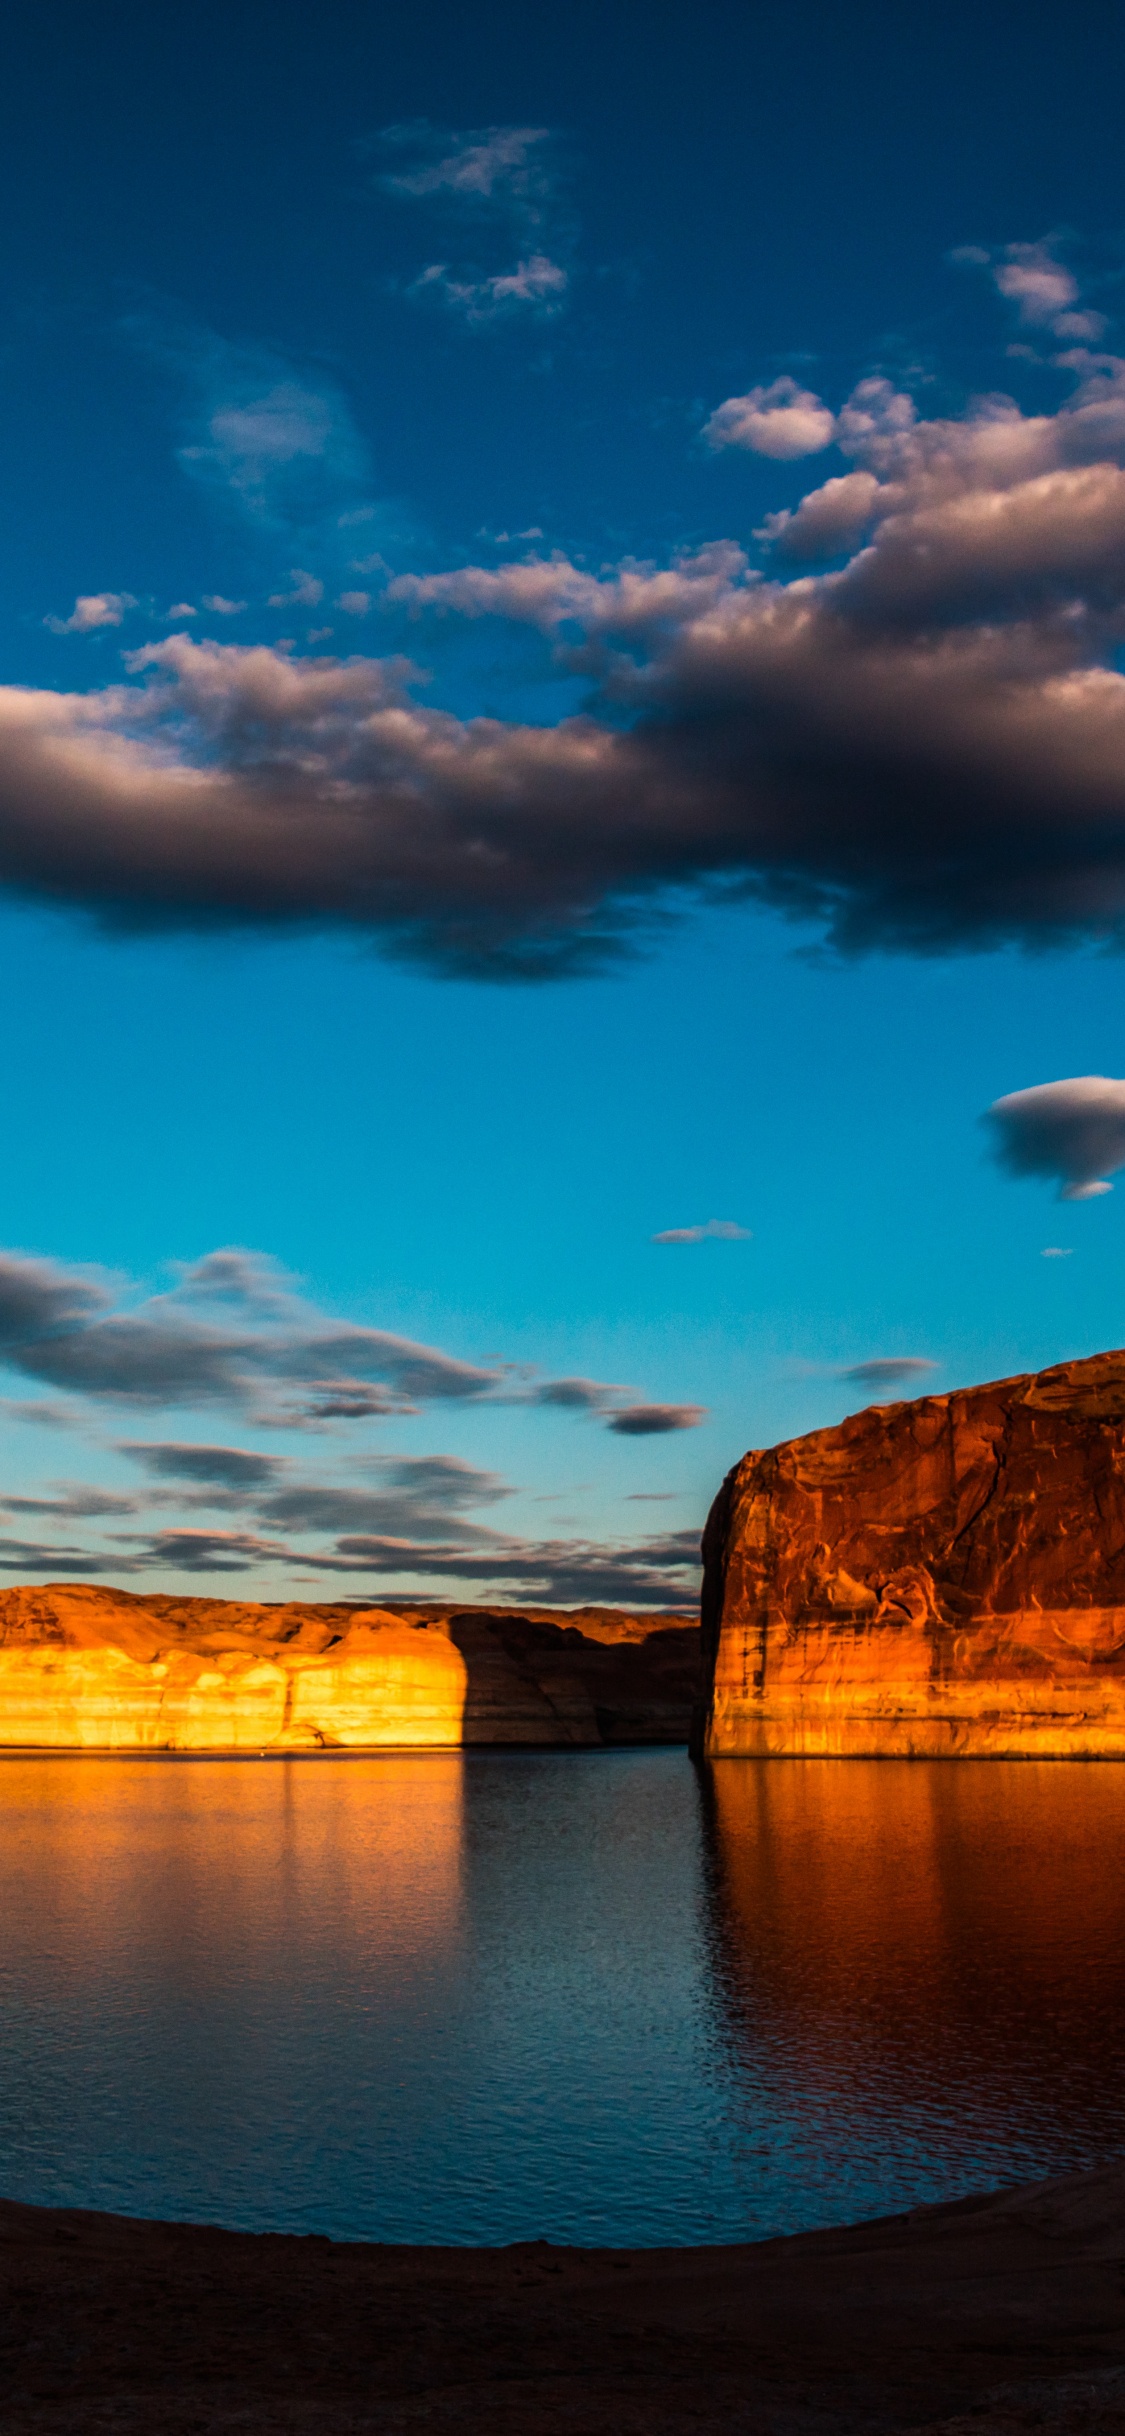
(82, 1668)
(945, 1577)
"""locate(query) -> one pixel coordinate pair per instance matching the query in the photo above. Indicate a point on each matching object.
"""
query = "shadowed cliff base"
(941, 1578)
(993, 2314)
(86, 1668)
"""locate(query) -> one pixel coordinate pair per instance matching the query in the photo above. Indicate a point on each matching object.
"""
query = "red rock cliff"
(89, 1668)
(941, 1577)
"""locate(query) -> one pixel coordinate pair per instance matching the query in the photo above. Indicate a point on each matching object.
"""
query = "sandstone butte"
(86, 1668)
(939, 1578)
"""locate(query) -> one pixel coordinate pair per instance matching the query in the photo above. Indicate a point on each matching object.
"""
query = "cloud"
(230, 1333)
(498, 175)
(538, 282)
(489, 168)
(306, 593)
(921, 750)
(354, 604)
(181, 609)
(234, 1332)
(1056, 1251)
(890, 1370)
(715, 1230)
(74, 1501)
(1074, 1131)
(94, 609)
(274, 441)
(782, 421)
(221, 607)
(227, 1467)
(617, 1408)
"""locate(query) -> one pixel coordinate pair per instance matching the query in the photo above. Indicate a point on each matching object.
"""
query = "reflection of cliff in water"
(912, 1957)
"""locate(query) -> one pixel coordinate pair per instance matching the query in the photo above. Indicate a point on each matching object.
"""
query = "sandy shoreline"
(1000, 2313)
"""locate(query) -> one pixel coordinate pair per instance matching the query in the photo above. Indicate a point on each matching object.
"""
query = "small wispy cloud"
(307, 592)
(714, 1230)
(91, 610)
(1045, 291)
(219, 606)
(655, 1420)
(1072, 1131)
(538, 282)
(491, 167)
(617, 1408)
(1056, 1251)
(506, 177)
(888, 1370)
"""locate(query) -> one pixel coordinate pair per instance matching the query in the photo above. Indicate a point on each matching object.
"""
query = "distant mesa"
(86, 1668)
(938, 1578)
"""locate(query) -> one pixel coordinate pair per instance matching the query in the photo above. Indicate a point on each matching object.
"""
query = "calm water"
(597, 1997)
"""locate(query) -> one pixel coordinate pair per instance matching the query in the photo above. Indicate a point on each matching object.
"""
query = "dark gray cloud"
(74, 1501)
(889, 1370)
(1073, 1131)
(617, 1407)
(655, 1420)
(227, 1467)
(411, 1520)
(922, 749)
(230, 1332)
(40, 1556)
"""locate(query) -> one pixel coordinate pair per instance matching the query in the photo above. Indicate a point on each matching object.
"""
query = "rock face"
(942, 1577)
(82, 1668)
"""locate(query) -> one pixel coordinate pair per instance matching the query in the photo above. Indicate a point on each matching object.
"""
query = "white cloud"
(715, 1230)
(306, 593)
(1073, 1131)
(354, 604)
(504, 176)
(220, 607)
(1055, 1251)
(91, 610)
(537, 282)
(782, 421)
(498, 166)
(1045, 292)
(182, 609)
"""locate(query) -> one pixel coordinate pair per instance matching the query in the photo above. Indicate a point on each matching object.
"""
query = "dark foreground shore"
(995, 2314)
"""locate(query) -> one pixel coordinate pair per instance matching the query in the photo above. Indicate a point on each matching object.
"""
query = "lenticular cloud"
(1074, 1131)
(906, 726)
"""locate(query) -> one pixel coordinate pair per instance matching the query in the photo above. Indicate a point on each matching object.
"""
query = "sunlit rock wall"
(942, 1577)
(83, 1668)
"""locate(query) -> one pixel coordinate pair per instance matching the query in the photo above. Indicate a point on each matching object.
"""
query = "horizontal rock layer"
(82, 1668)
(944, 1577)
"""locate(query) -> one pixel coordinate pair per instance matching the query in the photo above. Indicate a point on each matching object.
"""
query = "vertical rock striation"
(942, 1577)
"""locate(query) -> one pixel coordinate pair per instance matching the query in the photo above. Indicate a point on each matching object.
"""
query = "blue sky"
(459, 821)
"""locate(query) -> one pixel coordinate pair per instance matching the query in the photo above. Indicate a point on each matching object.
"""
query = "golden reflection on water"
(132, 1852)
(872, 1920)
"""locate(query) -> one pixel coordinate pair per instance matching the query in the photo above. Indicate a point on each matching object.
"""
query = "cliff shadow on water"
(917, 1972)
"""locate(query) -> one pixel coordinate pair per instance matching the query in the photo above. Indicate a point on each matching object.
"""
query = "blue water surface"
(599, 1997)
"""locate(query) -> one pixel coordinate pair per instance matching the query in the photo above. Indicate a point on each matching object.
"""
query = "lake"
(602, 1997)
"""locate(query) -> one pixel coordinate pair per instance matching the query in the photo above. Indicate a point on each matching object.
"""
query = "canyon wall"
(83, 1668)
(945, 1577)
